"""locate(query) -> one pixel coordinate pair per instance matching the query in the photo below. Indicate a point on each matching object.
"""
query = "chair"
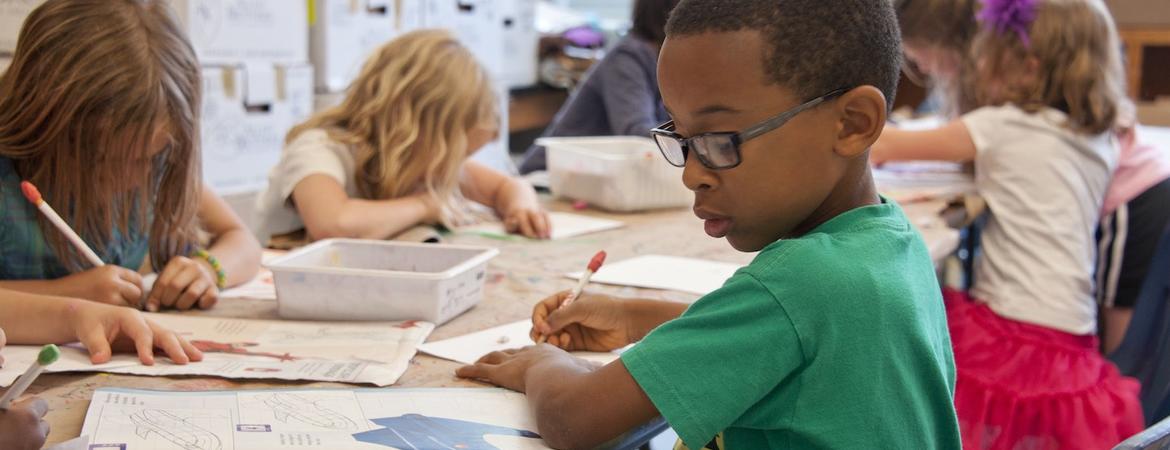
(1145, 349)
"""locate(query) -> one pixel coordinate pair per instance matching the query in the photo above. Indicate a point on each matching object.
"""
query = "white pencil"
(48, 355)
(34, 195)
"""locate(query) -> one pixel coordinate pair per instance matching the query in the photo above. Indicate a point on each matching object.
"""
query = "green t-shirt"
(837, 339)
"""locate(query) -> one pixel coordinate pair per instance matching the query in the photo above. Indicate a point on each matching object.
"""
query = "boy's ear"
(862, 115)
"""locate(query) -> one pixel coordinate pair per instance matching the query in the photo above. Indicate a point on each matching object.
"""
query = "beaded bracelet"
(220, 275)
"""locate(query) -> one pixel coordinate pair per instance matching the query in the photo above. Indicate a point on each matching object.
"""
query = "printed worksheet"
(564, 226)
(465, 419)
(697, 276)
(468, 348)
(347, 352)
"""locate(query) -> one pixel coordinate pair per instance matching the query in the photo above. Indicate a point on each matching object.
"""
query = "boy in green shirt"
(835, 335)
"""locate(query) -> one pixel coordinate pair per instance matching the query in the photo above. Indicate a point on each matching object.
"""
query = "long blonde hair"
(407, 114)
(1076, 51)
(90, 85)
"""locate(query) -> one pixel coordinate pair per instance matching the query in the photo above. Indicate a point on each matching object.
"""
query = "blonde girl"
(99, 109)
(937, 37)
(1050, 94)
(394, 153)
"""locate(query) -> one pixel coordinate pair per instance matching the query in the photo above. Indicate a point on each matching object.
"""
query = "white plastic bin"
(619, 173)
(352, 279)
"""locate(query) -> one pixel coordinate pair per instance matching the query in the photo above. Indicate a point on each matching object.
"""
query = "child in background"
(394, 154)
(937, 38)
(1051, 93)
(99, 109)
(838, 316)
(619, 96)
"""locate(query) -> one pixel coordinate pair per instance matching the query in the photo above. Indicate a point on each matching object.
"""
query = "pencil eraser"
(30, 192)
(597, 261)
(48, 355)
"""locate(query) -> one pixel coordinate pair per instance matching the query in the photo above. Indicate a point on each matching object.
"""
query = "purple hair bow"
(1009, 16)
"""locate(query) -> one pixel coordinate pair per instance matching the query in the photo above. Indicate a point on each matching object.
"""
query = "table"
(524, 273)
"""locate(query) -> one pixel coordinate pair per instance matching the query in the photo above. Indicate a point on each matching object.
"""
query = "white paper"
(673, 273)
(372, 353)
(335, 419)
(564, 226)
(468, 348)
(79, 443)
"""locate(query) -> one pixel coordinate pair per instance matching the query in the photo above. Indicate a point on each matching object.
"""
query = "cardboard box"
(12, 15)
(345, 32)
(247, 111)
(521, 43)
(475, 23)
(234, 31)
(1140, 13)
(1155, 113)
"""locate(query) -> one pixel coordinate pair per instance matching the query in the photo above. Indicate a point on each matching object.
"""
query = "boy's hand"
(529, 220)
(509, 368)
(102, 329)
(185, 283)
(22, 426)
(108, 284)
(595, 323)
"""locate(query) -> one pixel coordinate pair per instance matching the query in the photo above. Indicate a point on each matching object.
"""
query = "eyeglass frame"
(738, 138)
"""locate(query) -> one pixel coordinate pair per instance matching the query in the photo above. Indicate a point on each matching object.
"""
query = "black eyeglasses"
(720, 150)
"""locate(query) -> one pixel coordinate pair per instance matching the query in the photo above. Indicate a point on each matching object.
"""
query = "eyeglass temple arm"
(780, 120)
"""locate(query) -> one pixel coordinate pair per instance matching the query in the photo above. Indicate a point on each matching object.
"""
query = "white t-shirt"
(1044, 185)
(312, 152)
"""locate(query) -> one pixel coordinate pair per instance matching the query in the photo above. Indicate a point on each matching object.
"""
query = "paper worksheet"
(564, 226)
(369, 352)
(470, 347)
(697, 276)
(335, 419)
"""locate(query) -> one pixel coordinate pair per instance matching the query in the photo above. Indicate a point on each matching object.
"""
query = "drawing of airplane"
(417, 431)
(178, 431)
(285, 406)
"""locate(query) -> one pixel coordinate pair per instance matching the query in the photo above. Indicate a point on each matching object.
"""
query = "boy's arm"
(951, 142)
(577, 405)
(231, 242)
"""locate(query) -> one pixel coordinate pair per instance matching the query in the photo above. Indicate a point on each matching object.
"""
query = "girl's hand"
(185, 283)
(528, 219)
(103, 329)
(108, 284)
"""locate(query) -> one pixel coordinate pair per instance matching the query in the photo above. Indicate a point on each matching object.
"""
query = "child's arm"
(34, 320)
(108, 284)
(328, 212)
(951, 142)
(23, 426)
(512, 198)
(577, 405)
(188, 281)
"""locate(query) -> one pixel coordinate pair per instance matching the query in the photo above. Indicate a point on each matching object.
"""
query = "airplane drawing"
(183, 434)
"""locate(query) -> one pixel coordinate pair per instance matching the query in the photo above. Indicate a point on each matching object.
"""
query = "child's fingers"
(94, 340)
(475, 371)
(545, 307)
(542, 224)
(525, 222)
(36, 406)
(194, 291)
(142, 336)
(192, 351)
(209, 298)
(163, 287)
(170, 345)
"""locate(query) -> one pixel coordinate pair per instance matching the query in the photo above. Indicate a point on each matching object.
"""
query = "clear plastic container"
(618, 173)
(352, 279)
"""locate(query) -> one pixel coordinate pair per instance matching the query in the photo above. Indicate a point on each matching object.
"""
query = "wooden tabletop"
(523, 273)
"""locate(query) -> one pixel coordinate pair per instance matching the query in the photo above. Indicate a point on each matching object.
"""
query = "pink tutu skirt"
(1028, 387)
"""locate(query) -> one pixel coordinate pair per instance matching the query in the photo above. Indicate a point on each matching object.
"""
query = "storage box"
(350, 279)
(247, 111)
(345, 32)
(521, 43)
(236, 31)
(1141, 13)
(620, 173)
(12, 15)
(475, 23)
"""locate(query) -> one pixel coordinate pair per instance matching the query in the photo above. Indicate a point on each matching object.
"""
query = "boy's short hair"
(812, 46)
